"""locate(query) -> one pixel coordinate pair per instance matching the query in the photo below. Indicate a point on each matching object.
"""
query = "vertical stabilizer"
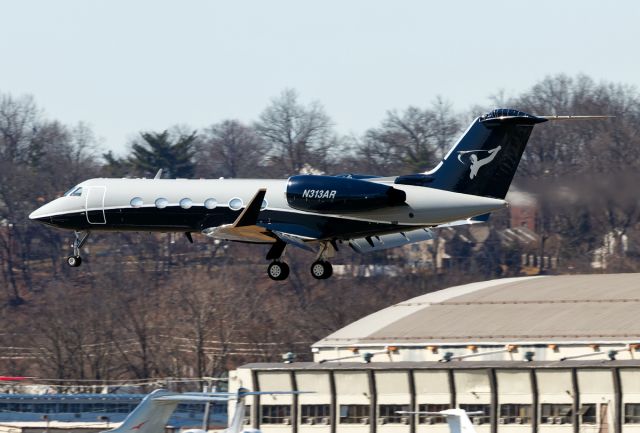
(458, 421)
(485, 159)
(237, 422)
(150, 416)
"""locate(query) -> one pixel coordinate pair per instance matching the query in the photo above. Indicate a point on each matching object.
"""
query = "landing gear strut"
(75, 260)
(321, 269)
(277, 270)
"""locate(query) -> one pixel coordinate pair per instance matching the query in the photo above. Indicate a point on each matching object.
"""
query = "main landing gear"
(278, 270)
(75, 260)
(321, 269)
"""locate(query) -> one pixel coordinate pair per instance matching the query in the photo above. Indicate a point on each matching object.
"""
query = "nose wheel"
(278, 271)
(75, 260)
(321, 270)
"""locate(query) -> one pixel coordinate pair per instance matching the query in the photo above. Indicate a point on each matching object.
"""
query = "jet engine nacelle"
(340, 194)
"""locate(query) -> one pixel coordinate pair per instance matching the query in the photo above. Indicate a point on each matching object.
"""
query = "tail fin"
(150, 416)
(458, 421)
(485, 159)
(237, 422)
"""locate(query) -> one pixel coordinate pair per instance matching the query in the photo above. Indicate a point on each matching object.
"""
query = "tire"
(74, 261)
(321, 270)
(278, 271)
(329, 270)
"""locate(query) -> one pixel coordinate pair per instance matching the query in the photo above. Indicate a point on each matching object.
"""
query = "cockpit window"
(74, 192)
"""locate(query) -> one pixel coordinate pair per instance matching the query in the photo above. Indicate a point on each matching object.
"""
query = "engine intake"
(340, 194)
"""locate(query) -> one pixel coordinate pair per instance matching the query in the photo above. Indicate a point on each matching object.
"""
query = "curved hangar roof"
(570, 308)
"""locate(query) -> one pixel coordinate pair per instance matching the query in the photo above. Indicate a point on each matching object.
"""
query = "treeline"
(145, 305)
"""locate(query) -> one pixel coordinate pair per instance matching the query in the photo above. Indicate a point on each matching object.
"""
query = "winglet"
(249, 215)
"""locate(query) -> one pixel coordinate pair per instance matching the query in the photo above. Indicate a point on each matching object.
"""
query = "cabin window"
(161, 203)
(210, 203)
(186, 203)
(235, 203)
(136, 202)
(264, 205)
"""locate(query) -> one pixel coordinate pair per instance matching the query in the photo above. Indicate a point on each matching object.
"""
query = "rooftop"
(567, 309)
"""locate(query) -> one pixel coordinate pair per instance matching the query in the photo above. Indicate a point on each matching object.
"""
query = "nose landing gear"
(75, 260)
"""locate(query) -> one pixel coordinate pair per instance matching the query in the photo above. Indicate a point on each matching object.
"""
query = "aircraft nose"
(38, 214)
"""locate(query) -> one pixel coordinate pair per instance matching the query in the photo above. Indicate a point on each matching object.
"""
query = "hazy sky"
(125, 66)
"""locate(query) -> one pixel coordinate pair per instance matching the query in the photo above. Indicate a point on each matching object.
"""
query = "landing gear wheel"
(321, 270)
(74, 261)
(278, 271)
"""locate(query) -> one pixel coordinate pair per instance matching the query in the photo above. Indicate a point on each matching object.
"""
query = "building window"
(588, 413)
(246, 419)
(478, 419)
(556, 414)
(387, 414)
(276, 414)
(515, 414)
(632, 413)
(354, 414)
(315, 414)
(432, 419)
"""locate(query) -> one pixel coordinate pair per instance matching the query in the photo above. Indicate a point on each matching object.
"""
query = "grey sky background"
(126, 66)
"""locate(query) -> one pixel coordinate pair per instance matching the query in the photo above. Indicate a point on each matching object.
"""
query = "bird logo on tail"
(472, 157)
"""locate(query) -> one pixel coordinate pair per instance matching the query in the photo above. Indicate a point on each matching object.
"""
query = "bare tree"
(231, 149)
(297, 135)
(412, 140)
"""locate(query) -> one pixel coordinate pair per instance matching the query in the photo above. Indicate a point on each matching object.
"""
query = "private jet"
(318, 213)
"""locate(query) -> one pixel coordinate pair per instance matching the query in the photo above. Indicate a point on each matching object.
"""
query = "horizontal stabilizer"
(575, 117)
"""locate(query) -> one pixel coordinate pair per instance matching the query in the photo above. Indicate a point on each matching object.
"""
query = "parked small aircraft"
(154, 411)
(316, 213)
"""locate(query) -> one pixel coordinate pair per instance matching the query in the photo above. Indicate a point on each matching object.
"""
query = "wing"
(247, 229)
(244, 228)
